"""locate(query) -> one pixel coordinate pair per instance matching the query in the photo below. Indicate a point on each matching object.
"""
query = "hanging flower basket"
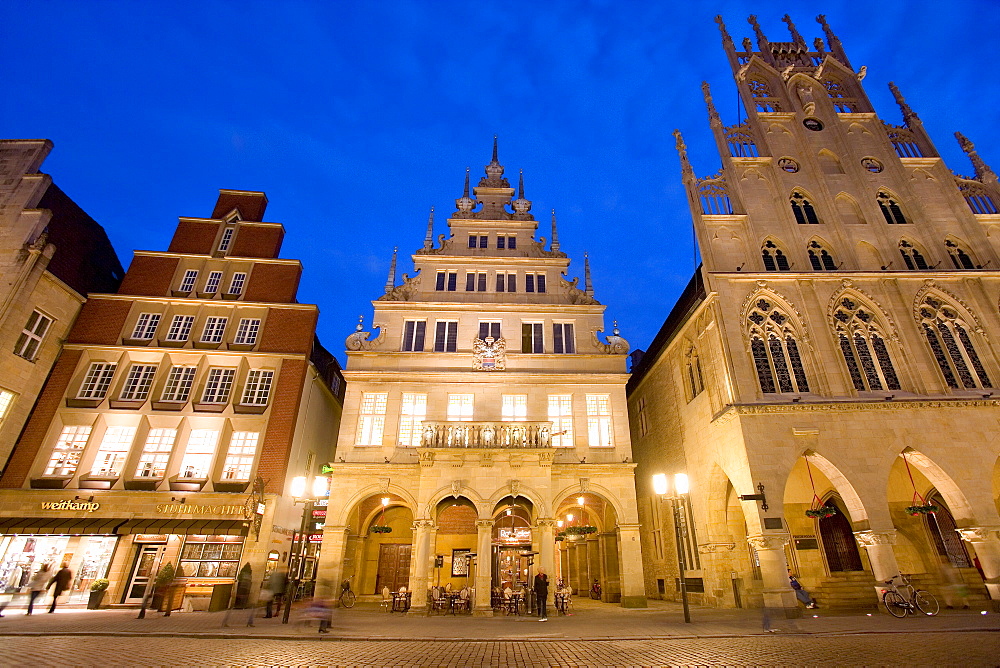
(924, 509)
(821, 512)
(379, 528)
(560, 538)
(581, 530)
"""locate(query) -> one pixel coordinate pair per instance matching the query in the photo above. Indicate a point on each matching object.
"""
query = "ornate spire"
(819, 45)
(555, 233)
(748, 45)
(908, 114)
(983, 171)
(761, 40)
(494, 171)
(495, 159)
(429, 237)
(686, 169)
(796, 37)
(836, 48)
(588, 284)
(727, 41)
(390, 282)
(713, 114)
(465, 203)
(521, 205)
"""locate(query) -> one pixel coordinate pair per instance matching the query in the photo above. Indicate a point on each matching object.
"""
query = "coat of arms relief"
(489, 354)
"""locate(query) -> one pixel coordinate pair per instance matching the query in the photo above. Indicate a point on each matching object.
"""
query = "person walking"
(801, 593)
(274, 593)
(37, 584)
(542, 594)
(13, 587)
(61, 580)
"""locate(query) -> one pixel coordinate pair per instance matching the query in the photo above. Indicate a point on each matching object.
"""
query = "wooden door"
(947, 541)
(393, 567)
(838, 542)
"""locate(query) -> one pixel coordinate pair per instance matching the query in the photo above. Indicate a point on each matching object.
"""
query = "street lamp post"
(298, 494)
(661, 487)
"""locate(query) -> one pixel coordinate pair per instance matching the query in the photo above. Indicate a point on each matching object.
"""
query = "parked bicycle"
(347, 597)
(900, 598)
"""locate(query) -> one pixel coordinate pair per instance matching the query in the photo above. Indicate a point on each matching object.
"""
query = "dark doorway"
(393, 566)
(947, 541)
(838, 541)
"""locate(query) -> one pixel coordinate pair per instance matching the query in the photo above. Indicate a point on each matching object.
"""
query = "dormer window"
(227, 239)
(190, 277)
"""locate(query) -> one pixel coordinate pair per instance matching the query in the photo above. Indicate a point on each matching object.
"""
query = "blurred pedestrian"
(801, 593)
(274, 590)
(60, 582)
(13, 587)
(542, 594)
(37, 584)
(320, 610)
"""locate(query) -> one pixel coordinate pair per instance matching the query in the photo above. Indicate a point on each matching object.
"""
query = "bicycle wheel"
(347, 598)
(895, 604)
(926, 603)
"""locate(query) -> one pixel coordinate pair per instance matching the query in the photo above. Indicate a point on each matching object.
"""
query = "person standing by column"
(542, 594)
(61, 580)
(37, 584)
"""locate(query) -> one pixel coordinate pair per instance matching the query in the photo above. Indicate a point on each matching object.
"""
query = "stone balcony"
(487, 435)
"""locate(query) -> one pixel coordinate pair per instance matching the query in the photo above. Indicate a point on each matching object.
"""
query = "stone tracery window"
(959, 256)
(775, 350)
(842, 104)
(819, 257)
(803, 210)
(948, 336)
(890, 209)
(912, 256)
(762, 96)
(693, 377)
(862, 344)
(774, 258)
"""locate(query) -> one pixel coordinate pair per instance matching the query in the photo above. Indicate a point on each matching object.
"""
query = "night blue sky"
(356, 117)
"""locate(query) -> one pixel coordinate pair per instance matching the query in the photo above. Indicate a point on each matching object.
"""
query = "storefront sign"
(319, 513)
(315, 538)
(70, 504)
(515, 535)
(191, 509)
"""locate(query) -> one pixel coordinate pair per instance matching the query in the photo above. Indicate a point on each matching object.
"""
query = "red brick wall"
(288, 331)
(459, 519)
(251, 204)
(273, 283)
(41, 416)
(149, 275)
(257, 241)
(281, 424)
(194, 236)
(100, 322)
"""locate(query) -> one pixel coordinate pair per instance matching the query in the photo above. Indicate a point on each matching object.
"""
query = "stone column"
(594, 566)
(611, 579)
(484, 568)
(878, 543)
(633, 585)
(547, 548)
(420, 579)
(331, 566)
(778, 594)
(986, 542)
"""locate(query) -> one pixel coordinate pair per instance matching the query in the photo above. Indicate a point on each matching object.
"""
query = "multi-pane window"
(240, 456)
(475, 281)
(534, 282)
(514, 407)
(413, 335)
(190, 277)
(246, 332)
(156, 453)
(460, 407)
(863, 346)
(695, 382)
(561, 417)
(891, 210)
(949, 338)
(227, 239)
(236, 284)
(446, 336)
(197, 461)
(98, 379)
(178, 385)
(477, 241)
(507, 242)
(912, 257)
(774, 258)
(31, 336)
(411, 415)
(489, 329)
(599, 421)
(145, 326)
(211, 556)
(180, 328)
(506, 282)
(959, 257)
(820, 258)
(775, 350)
(219, 386)
(563, 338)
(6, 399)
(446, 280)
(66, 453)
(371, 418)
(258, 388)
(531, 337)
(643, 418)
(803, 210)
(137, 382)
(213, 282)
(215, 328)
(113, 451)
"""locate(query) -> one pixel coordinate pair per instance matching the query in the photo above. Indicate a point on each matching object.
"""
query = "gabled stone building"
(484, 413)
(837, 351)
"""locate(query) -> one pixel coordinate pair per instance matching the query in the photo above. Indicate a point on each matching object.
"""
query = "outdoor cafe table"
(401, 601)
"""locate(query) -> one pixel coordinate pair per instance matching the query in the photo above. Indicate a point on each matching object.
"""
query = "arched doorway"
(513, 546)
(942, 528)
(455, 539)
(839, 544)
(382, 557)
(585, 558)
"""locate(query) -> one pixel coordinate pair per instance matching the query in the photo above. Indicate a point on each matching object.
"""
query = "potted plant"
(922, 509)
(380, 528)
(161, 585)
(561, 536)
(822, 512)
(98, 588)
(581, 530)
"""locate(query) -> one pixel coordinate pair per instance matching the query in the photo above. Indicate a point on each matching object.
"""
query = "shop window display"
(88, 558)
(211, 556)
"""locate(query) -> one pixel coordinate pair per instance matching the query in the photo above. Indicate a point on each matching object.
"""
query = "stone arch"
(829, 162)
(941, 482)
(358, 497)
(455, 491)
(536, 498)
(848, 210)
(576, 489)
(840, 484)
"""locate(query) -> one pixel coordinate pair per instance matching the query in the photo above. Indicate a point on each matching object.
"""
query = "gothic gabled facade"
(838, 348)
(485, 413)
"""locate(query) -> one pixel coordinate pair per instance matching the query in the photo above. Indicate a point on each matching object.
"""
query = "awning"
(188, 526)
(61, 525)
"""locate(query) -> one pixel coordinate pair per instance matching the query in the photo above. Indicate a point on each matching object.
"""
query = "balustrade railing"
(504, 435)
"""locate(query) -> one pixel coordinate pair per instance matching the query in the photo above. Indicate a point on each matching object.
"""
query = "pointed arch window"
(912, 256)
(775, 350)
(774, 258)
(842, 104)
(820, 258)
(977, 198)
(862, 344)
(890, 209)
(803, 210)
(693, 377)
(948, 336)
(762, 96)
(959, 257)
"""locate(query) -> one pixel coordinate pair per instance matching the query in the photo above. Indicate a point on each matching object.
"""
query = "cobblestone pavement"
(933, 649)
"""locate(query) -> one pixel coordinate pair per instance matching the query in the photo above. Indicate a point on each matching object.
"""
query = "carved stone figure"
(489, 354)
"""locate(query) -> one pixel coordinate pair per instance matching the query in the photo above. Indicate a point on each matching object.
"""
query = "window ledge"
(98, 481)
(169, 405)
(180, 293)
(210, 408)
(241, 346)
(231, 486)
(83, 403)
(207, 295)
(231, 295)
(182, 484)
(249, 408)
(168, 343)
(51, 482)
(136, 342)
(132, 404)
(207, 345)
(144, 484)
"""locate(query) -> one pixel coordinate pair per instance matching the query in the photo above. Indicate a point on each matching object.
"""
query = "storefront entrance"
(393, 567)
(147, 562)
(88, 558)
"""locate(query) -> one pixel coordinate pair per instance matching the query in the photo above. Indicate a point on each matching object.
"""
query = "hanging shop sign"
(515, 535)
(315, 538)
(71, 504)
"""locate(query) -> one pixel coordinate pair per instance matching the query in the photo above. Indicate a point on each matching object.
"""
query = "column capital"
(711, 548)
(876, 537)
(545, 522)
(423, 524)
(979, 534)
(629, 527)
(484, 524)
(768, 541)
